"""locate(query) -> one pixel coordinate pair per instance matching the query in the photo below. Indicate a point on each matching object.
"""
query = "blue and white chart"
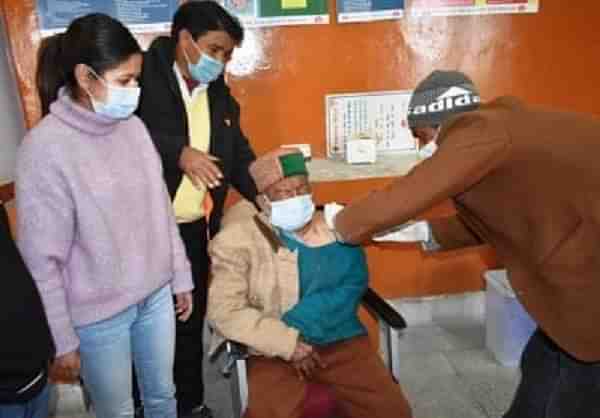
(351, 11)
(139, 15)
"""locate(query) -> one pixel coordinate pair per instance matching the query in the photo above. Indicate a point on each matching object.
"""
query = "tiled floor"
(446, 372)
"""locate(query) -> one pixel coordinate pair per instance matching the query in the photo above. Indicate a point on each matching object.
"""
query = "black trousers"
(189, 345)
(554, 384)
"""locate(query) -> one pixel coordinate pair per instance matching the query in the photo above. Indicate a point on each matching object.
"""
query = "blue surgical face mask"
(120, 102)
(207, 69)
(292, 214)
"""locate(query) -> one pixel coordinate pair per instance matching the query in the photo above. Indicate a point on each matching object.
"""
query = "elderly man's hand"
(307, 366)
(302, 351)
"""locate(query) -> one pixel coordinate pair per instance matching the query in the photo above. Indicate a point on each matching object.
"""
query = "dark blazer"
(527, 181)
(163, 110)
(27, 344)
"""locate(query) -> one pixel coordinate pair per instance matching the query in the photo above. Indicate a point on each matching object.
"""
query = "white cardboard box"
(361, 151)
(305, 148)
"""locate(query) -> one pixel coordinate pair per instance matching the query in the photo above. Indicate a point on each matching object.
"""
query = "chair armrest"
(383, 310)
(391, 324)
(235, 371)
(234, 352)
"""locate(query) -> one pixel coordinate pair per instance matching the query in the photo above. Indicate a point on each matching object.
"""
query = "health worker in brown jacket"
(527, 181)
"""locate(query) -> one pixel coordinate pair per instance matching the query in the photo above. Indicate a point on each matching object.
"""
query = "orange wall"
(550, 58)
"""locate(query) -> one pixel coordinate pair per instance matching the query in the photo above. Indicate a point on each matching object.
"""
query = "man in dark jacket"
(195, 124)
(526, 181)
(27, 345)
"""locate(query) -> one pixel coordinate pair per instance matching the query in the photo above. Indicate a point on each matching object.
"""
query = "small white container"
(508, 326)
(305, 148)
(361, 151)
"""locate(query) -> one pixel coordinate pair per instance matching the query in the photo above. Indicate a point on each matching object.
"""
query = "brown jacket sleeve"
(452, 234)
(470, 146)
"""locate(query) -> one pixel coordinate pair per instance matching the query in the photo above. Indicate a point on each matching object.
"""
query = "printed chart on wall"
(369, 10)
(256, 13)
(378, 115)
(139, 15)
(470, 7)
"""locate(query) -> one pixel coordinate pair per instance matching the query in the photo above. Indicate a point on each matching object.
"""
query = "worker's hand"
(408, 232)
(302, 351)
(200, 167)
(66, 368)
(306, 367)
(184, 305)
(329, 211)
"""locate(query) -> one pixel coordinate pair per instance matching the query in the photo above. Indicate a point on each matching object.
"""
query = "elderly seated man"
(282, 285)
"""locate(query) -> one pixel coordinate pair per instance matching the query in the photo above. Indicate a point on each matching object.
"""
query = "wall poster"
(470, 7)
(260, 13)
(377, 115)
(350, 11)
(139, 15)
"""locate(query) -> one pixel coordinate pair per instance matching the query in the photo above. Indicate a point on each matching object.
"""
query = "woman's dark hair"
(199, 17)
(96, 40)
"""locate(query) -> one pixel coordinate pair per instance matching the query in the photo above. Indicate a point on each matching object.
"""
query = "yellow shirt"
(188, 203)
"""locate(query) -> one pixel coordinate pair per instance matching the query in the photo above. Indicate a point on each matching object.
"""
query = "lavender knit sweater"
(95, 223)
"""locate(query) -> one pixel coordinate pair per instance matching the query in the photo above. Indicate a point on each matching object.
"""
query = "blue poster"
(138, 15)
(369, 10)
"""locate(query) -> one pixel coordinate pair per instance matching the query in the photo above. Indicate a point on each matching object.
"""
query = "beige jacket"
(254, 281)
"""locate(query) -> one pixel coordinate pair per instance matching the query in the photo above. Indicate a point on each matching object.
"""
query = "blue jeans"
(35, 408)
(145, 334)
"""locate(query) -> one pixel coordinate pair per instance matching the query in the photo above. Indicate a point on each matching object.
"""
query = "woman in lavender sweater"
(95, 223)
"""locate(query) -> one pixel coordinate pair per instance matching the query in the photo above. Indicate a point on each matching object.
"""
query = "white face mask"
(430, 148)
(292, 214)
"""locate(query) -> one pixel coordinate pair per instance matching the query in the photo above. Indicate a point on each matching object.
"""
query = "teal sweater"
(333, 279)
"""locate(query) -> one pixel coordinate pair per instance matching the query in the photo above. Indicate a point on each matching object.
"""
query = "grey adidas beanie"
(439, 96)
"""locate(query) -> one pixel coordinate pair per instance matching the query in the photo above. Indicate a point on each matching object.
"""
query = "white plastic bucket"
(508, 326)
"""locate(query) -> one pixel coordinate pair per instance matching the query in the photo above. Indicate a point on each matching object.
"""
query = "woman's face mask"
(293, 213)
(207, 69)
(120, 102)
